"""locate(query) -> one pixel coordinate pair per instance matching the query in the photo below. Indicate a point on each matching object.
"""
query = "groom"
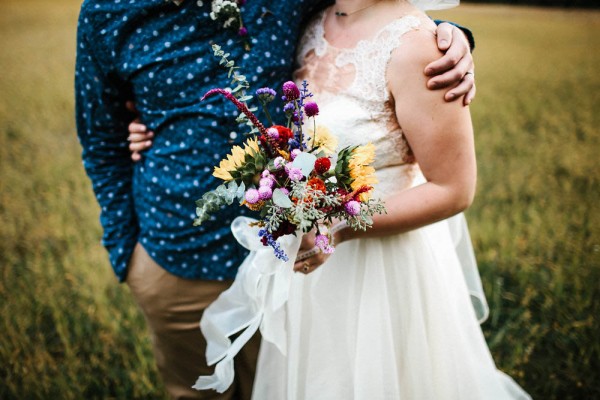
(158, 54)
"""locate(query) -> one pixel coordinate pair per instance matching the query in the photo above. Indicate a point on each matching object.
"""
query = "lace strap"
(371, 57)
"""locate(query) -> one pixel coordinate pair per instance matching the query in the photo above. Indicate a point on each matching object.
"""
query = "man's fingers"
(457, 52)
(464, 87)
(452, 76)
(444, 35)
(135, 156)
(470, 95)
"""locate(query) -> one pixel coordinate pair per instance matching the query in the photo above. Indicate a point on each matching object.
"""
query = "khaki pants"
(173, 307)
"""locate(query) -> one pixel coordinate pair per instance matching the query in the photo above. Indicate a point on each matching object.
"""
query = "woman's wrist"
(337, 232)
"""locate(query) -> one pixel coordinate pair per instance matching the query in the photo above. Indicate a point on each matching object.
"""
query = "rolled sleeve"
(102, 121)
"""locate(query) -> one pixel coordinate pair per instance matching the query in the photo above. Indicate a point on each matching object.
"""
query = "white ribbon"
(426, 5)
(257, 298)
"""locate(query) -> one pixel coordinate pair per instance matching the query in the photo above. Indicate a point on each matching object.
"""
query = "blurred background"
(68, 330)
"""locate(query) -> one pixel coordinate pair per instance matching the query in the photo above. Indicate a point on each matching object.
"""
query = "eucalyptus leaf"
(305, 162)
(281, 199)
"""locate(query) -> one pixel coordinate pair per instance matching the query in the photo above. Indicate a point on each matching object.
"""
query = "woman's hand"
(139, 138)
(455, 69)
(310, 257)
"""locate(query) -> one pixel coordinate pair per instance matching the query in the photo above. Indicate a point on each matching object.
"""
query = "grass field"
(69, 331)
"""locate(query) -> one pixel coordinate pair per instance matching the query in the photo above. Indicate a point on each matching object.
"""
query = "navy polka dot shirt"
(159, 55)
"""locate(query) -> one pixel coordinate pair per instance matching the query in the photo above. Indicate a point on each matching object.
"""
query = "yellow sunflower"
(235, 160)
(360, 170)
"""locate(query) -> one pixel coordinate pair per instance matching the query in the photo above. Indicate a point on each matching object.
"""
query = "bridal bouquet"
(289, 173)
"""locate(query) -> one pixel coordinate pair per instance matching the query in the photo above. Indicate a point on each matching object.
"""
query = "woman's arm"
(440, 135)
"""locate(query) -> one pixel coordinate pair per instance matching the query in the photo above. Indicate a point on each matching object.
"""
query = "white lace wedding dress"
(386, 318)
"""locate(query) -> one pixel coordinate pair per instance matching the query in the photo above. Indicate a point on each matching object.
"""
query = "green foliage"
(239, 85)
(212, 201)
(69, 331)
(342, 171)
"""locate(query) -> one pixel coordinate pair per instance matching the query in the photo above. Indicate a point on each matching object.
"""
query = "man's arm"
(102, 130)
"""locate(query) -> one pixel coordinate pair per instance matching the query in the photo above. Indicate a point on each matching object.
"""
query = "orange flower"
(317, 184)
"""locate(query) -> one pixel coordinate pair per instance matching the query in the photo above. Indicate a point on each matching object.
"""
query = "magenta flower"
(265, 192)
(267, 182)
(291, 91)
(294, 174)
(273, 133)
(352, 207)
(322, 242)
(311, 108)
(243, 31)
(252, 196)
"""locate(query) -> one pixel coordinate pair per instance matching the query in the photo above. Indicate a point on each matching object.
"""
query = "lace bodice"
(350, 86)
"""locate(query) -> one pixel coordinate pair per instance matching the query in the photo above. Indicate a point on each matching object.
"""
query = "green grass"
(69, 331)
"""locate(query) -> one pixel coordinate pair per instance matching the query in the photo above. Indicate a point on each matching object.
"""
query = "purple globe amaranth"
(311, 109)
(267, 182)
(265, 192)
(291, 91)
(252, 196)
(273, 133)
(352, 207)
(243, 31)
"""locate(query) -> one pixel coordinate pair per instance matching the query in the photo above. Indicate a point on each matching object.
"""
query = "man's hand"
(139, 137)
(455, 68)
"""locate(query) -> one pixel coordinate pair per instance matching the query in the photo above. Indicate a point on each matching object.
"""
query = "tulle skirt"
(388, 318)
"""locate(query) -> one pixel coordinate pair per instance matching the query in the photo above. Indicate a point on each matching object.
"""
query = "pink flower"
(266, 182)
(295, 153)
(322, 242)
(278, 162)
(352, 207)
(273, 133)
(294, 174)
(265, 192)
(291, 91)
(252, 196)
(311, 108)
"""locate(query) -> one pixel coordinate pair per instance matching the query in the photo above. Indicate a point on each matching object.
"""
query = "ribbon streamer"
(256, 299)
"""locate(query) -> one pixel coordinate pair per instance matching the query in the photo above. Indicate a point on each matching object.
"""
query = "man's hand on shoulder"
(455, 69)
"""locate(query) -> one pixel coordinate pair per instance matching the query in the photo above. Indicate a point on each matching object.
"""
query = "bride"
(394, 312)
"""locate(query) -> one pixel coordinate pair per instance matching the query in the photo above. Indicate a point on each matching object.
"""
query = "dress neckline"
(360, 42)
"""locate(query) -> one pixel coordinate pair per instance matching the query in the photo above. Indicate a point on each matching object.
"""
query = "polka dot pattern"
(159, 54)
